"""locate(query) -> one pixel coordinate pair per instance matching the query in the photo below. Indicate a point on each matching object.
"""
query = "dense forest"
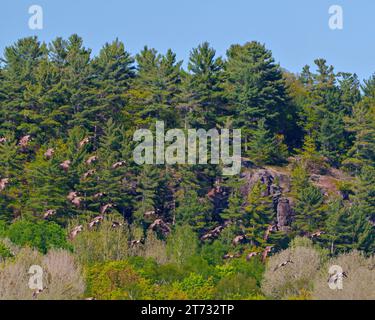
(73, 200)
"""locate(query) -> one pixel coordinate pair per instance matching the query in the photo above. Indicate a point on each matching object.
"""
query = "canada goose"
(116, 224)
(98, 195)
(213, 233)
(49, 213)
(24, 141)
(91, 160)
(84, 142)
(266, 252)
(238, 240)
(161, 225)
(270, 229)
(49, 153)
(95, 221)
(231, 256)
(134, 243)
(66, 165)
(317, 234)
(3, 183)
(72, 195)
(38, 292)
(118, 164)
(75, 232)
(104, 208)
(89, 173)
(283, 264)
(251, 255)
(77, 201)
(336, 276)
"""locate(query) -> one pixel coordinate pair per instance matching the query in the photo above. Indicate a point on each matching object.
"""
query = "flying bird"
(95, 221)
(231, 256)
(317, 234)
(49, 213)
(49, 153)
(269, 230)
(84, 142)
(89, 173)
(72, 195)
(3, 183)
(116, 224)
(98, 195)
(336, 276)
(38, 292)
(77, 201)
(213, 233)
(283, 264)
(91, 160)
(24, 141)
(118, 164)
(134, 243)
(161, 225)
(104, 208)
(65, 165)
(238, 240)
(266, 252)
(251, 255)
(75, 231)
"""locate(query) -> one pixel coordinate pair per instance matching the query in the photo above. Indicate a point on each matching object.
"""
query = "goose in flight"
(91, 160)
(24, 141)
(49, 153)
(281, 265)
(65, 165)
(49, 213)
(3, 183)
(336, 276)
(75, 232)
(84, 142)
(266, 252)
(104, 208)
(118, 164)
(95, 221)
(251, 255)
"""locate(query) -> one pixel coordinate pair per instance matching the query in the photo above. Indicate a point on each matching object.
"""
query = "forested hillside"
(71, 193)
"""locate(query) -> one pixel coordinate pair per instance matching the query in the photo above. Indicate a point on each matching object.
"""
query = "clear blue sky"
(295, 30)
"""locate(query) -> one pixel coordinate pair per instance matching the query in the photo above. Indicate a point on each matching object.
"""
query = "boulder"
(284, 214)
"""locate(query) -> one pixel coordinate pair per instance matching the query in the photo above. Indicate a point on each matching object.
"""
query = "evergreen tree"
(255, 87)
(205, 85)
(265, 148)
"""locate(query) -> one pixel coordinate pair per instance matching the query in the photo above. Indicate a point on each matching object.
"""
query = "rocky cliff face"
(277, 185)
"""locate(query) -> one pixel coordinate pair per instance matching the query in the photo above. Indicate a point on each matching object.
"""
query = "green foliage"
(86, 108)
(182, 244)
(265, 148)
(42, 235)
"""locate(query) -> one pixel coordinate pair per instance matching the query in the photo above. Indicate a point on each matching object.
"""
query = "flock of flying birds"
(159, 224)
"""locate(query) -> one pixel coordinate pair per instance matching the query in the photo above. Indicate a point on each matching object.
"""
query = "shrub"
(293, 278)
(62, 278)
(155, 248)
(102, 244)
(116, 280)
(236, 287)
(42, 235)
(196, 287)
(360, 281)
(182, 244)
(5, 252)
